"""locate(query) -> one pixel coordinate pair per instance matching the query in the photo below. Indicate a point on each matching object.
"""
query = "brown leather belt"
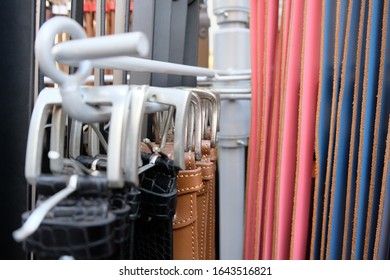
(185, 225)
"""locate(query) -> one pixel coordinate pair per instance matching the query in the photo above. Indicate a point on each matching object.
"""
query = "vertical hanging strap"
(188, 233)
(306, 128)
(154, 228)
(206, 207)
(203, 39)
(186, 222)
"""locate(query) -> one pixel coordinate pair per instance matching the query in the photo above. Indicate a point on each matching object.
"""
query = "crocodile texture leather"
(121, 210)
(133, 199)
(154, 231)
(81, 226)
(92, 223)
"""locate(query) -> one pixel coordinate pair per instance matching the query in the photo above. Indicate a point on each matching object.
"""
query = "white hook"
(45, 41)
(72, 97)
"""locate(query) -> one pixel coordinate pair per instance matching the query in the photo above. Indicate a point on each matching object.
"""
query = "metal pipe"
(233, 90)
(232, 96)
(232, 17)
(114, 51)
(94, 139)
(100, 18)
(146, 65)
(233, 76)
(109, 52)
(134, 43)
(119, 22)
(90, 79)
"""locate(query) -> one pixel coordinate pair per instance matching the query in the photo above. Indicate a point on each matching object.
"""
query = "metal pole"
(146, 65)
(100, 31)
(232, 51)
(76, 13)
(143, 20)
(120, 17)
(134, 43)
(190, 55)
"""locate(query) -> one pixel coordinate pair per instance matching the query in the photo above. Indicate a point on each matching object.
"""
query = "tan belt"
(208, 166)
(207, 169)
(194, 225)
(185, 225)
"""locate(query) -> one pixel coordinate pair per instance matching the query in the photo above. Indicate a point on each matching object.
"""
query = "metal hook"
(213, 98)
(43, 49)
(197, 119)
(167, 125)
(181, 100)
(73, 100)
(116, 98)
(48, 98)
(133, 126)
(57, 135)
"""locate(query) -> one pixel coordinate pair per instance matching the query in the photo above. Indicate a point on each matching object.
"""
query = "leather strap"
(211, 241)
(202, 203)
(185, 224)
(154, 230)
(204, 207)
(208, 166)
(83, 225)
(195, 212)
